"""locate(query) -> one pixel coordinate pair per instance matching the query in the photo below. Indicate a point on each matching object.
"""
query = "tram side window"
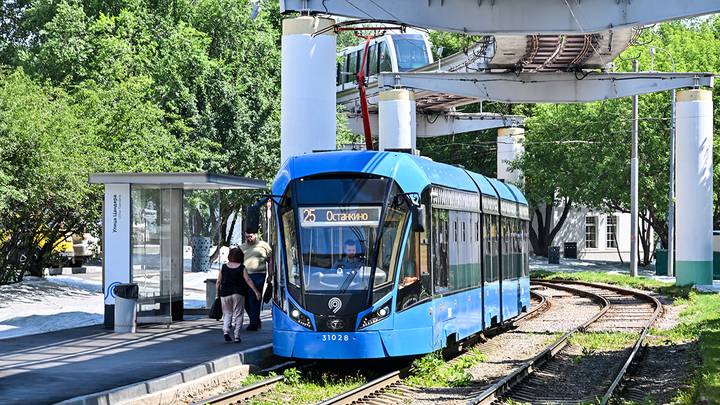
(454, 249)
(440, 239)
(293, 270)
(278, 275)
(474, 246)
(505, 266)
(518, 249)
(491, 248)
(414, 285)
(384, 62)
(524, 226)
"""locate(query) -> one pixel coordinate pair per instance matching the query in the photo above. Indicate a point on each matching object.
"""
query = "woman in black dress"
(233, 284)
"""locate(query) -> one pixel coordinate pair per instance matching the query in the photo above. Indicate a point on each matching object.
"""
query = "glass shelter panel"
(157, 252)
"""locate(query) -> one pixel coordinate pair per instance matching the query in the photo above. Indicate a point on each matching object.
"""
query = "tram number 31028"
(332, 337)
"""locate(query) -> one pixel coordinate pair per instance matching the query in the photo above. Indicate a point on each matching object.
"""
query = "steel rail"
(379, 384)
(243, 393)
(496, 390)
(252, 390)
(638, 343)
(366, 390)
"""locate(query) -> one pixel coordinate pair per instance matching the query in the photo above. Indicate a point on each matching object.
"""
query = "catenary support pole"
(307, 117)
(397, 120)
(509, 147)
(671, 194)
(634, 185)
(694, 126)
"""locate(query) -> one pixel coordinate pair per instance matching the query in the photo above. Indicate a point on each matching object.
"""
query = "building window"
(611, 231)
(590, 232)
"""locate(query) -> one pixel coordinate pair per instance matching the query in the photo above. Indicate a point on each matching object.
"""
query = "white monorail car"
(388, 53)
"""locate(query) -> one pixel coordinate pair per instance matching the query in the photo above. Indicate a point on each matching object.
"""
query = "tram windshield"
(338, 243)
(411, 51)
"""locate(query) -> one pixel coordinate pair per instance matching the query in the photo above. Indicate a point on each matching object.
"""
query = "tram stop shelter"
(147, 240)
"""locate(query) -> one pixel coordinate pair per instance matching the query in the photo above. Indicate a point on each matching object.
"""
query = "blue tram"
(382, 254)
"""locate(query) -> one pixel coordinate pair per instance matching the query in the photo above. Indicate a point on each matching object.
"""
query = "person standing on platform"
(233, 285)
(257, 255)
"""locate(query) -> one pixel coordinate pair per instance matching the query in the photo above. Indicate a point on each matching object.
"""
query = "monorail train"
(387, 53)
(382, 254)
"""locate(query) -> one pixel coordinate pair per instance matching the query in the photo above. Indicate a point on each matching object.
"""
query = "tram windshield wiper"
(350, 277)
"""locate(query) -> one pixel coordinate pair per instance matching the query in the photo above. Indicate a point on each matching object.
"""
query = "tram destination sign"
(339, 216)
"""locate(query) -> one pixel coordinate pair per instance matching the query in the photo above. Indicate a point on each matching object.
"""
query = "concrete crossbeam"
(443, 124)
(545, 87)
(512, 16)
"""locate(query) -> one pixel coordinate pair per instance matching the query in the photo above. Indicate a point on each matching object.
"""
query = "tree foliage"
(127, 85)
(581, 153)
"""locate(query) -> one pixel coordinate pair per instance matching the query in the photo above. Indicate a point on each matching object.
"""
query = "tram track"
(389, 388)
(624, 309)
(620, 309)
(252, 390)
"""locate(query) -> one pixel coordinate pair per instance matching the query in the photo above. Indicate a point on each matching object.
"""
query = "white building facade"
(596, 235)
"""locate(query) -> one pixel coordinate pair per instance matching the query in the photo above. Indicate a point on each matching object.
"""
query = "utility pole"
(634, 185)
(671, 196)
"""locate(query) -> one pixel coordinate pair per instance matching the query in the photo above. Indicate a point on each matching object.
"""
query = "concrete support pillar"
(509, 147)
(694, 211)
(396, 120)
(307, 117)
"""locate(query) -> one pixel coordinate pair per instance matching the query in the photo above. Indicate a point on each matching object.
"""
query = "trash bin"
(554, 255)
(126, 296)
(210, 292)
(570, 250)
(661, 262)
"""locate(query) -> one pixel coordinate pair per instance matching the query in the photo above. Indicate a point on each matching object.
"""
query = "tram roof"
(409, 171)
(519, 196)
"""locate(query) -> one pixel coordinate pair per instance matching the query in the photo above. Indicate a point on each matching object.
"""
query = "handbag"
(216, 310)
(267, 295)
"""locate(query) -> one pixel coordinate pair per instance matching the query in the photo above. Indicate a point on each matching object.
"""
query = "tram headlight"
(376, 316)
(299, 317)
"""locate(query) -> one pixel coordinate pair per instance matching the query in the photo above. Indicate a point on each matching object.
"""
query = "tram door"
(415, 318)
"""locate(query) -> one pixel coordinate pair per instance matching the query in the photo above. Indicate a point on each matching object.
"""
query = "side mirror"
(252, 217)
(419, 220)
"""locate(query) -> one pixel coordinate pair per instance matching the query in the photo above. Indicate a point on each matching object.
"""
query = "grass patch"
(699, 322)
(432, 370)
(623, 280)
(603, 341)
(308, 387)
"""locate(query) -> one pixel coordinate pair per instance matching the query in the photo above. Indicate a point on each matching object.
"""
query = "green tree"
(581, 153)
(160, 85)
(46, 152)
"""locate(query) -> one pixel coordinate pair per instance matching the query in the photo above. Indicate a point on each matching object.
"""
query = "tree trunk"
(644, 232)
(542, 238)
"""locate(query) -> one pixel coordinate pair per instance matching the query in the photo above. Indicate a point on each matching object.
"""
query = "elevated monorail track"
(622, 309)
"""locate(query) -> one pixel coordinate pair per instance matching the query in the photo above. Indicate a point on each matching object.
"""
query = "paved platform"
(51, 367)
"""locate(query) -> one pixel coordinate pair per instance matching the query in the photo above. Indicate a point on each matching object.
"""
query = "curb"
(187, 380)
